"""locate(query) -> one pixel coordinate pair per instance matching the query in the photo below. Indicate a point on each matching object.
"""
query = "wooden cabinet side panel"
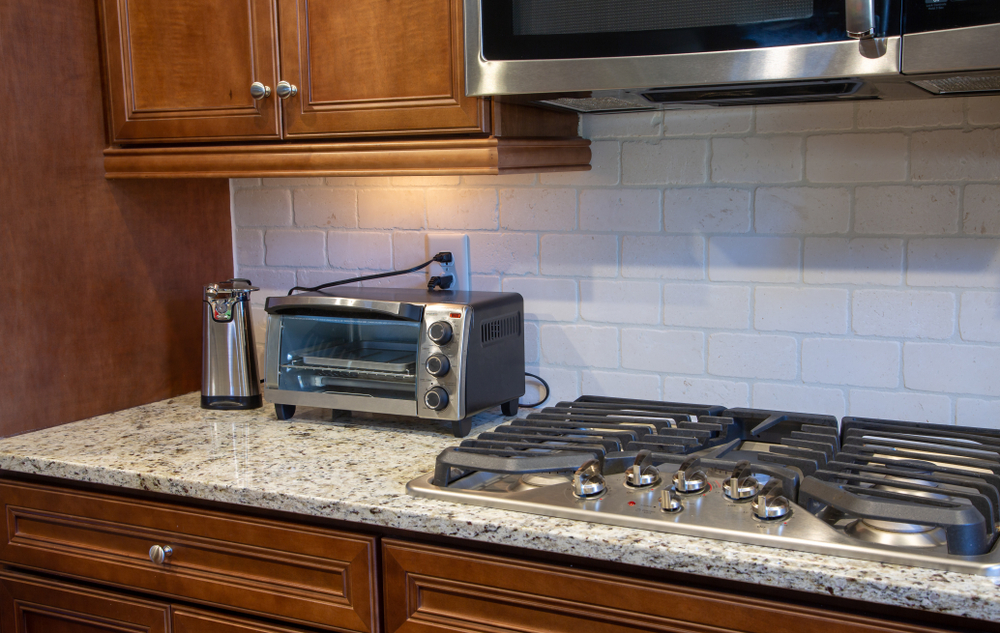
(433, 589)
(376, 68)
(298, 573)
(33, 605)
(182, 70)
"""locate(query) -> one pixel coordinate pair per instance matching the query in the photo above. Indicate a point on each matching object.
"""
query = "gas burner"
(900, 492)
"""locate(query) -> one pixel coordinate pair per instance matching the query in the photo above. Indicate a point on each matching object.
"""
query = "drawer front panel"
(433, 589)
(299, 573)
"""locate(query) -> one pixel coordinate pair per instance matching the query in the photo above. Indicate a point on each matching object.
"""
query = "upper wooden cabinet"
(368, 87)
(182, 71)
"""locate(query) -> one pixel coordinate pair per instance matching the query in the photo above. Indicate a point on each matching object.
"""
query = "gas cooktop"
(891, 491)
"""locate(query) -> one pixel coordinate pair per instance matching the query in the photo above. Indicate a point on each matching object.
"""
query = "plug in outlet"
(458, 245)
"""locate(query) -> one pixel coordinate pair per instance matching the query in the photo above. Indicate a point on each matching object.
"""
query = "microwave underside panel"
(960, 85)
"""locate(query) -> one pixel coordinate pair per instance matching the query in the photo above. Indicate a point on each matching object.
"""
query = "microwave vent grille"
(501, 328)
(960, 85)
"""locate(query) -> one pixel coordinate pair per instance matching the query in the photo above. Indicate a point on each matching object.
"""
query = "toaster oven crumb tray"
(380, 356)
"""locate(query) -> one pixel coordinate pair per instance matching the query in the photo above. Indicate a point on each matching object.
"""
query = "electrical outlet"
(458, 245)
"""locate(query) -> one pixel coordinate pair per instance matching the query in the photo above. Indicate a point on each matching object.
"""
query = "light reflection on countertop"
(356, 468)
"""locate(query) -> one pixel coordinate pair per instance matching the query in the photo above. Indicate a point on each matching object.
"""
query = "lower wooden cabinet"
(433, 589)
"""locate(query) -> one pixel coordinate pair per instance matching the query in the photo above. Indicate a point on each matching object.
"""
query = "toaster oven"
(442, 355)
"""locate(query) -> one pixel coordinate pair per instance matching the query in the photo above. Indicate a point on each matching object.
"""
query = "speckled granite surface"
(356, 470)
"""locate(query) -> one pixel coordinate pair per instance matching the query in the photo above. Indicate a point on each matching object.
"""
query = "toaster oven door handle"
(284, 305)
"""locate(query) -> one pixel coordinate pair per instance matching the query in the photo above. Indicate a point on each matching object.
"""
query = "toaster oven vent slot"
(502, 327)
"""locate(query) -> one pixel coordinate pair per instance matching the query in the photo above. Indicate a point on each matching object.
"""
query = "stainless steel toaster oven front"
(441, 355)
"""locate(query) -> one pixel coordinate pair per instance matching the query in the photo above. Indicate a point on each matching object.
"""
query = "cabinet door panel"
(375, 67)
(182, 70)
(33, 605)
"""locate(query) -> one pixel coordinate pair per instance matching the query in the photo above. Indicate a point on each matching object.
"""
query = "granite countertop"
(356, 469)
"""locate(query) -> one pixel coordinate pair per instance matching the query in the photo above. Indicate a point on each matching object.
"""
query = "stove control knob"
(436, 398)
(439, 332)
(588, 480)
(437, 365)
(770, 504)
(741, 485)
(669, 501)
(642, 473)
(689, 479)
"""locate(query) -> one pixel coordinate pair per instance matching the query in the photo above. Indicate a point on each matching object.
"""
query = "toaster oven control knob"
(741, 484)
(439, 332)
(769, 503)
(436, 398)
(588, 481)
(642, 473)
(689, 478)
(437, 365)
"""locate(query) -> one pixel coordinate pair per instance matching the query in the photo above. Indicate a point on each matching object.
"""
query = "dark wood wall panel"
(100, 281)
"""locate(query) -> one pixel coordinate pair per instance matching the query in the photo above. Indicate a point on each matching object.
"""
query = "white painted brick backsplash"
(802, 210)
(462, 209)
(812, 118)
(706, 391)
(536, 209)
(954, 368)
(984, 110)
(864, 363)
(809, 310)
(910, 114)
(580, 255)
(262, 207)
(915, 407)
(979, 318)
(294, 248)
(663, 257)
(666, 351)
(708, 122)
(365, 250)
(858, 262)
(966, 263)
(904, 314)
(706, 306)
(903, 210)
(761, 356)
(580, 345)
(563, 383)
(772, 159)
(612, 210)
(545, 299)
(766, 259)
(713, 210)
(511, 253)
(981, 204)
(789, 253)
(981, 413)
(856, 158)
(622, 384)
(607, 301)
(674, 162)
(249, 247)
(955, 155)
(391, 209)
(325, 207)
(782, 397)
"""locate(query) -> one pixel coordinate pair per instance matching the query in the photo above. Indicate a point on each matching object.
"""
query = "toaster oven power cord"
(542, 401)
(443, 257)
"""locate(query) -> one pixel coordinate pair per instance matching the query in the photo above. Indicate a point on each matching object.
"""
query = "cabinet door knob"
(159, 554)
(259, 91)
(286, 90)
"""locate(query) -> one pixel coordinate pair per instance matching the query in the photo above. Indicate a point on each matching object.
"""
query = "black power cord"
(542, 401)
(443, 257)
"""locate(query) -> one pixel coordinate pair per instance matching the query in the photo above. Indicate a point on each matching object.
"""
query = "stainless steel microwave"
(442, 355)
(615, 55)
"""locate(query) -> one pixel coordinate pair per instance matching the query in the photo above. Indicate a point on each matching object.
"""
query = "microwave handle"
(408, 311)
(860, 19)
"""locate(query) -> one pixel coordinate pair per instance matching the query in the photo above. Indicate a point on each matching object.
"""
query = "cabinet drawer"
(434, 589)
(304, 574)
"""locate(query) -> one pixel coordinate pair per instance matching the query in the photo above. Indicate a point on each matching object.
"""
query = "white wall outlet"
(458, 245)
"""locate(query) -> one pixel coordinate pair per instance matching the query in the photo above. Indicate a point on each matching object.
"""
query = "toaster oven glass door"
(336, 355)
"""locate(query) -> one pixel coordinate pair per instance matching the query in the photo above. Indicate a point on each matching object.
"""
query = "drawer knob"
(259, 91)
(159, 554)
(286, 90)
